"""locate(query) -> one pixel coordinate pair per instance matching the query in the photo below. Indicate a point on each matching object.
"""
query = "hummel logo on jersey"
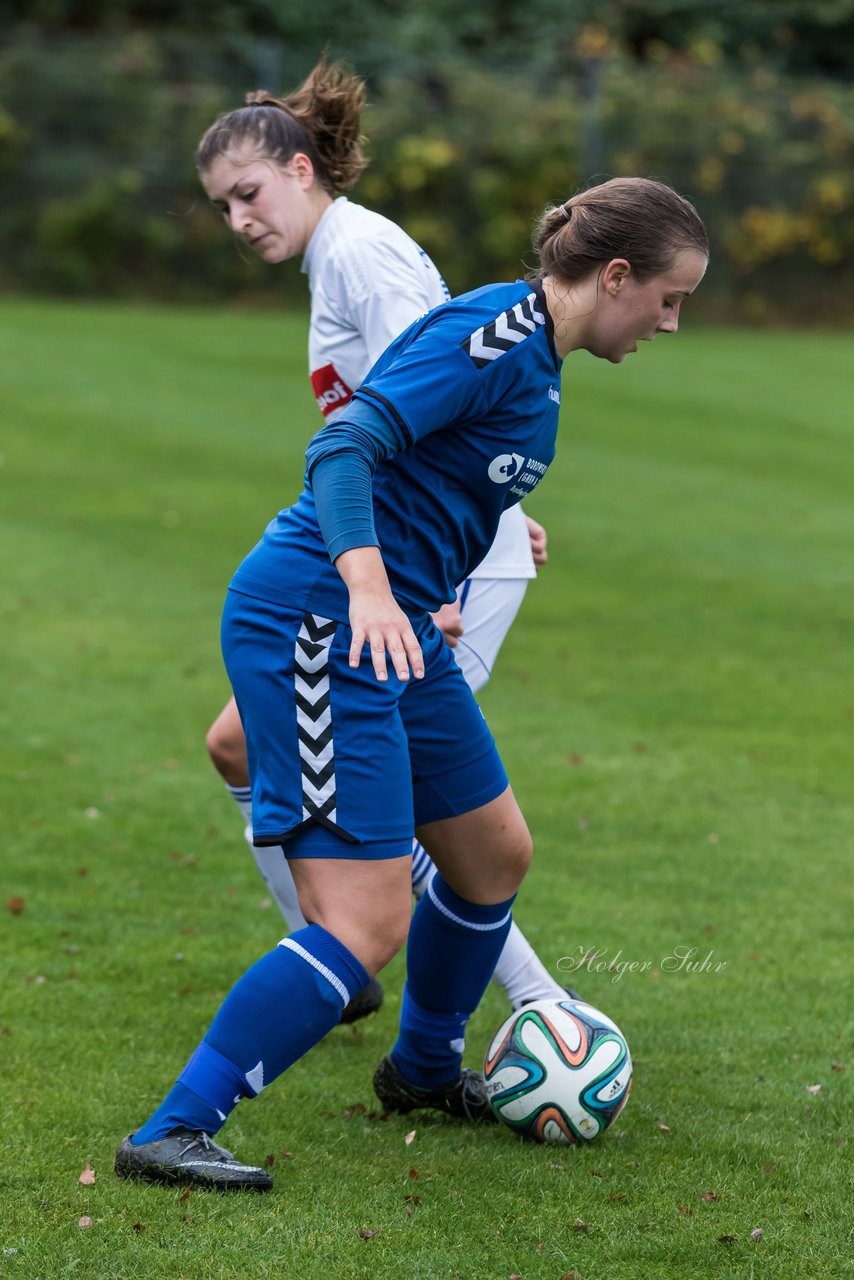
(504, 332)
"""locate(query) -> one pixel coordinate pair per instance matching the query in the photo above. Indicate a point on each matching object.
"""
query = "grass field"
(675, 708)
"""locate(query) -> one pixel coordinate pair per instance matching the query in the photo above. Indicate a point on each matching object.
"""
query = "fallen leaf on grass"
(683, 1208)
(16, 905)
(665, 1128)
(409, 1138)
(813, 1089)
(837, 1066)
(769, 1168)
(138, 1226)
(269, 1161)
(710, 1195)
(726, 1239)
(368, 1235)
(413, 1199)
(87, 1177)
(617, 1196)
(413, 1173)
(409, 1211)
(84, 1221)
(756, 1233)
(185, 1195)
(356, 1109)
(580, 1225)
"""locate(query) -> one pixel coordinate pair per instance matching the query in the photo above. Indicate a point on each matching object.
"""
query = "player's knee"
(373, 936)
(513, 858)
(520, 853)
(227, 756)
(392, 940)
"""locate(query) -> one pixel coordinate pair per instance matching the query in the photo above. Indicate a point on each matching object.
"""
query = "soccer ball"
(558, 1071)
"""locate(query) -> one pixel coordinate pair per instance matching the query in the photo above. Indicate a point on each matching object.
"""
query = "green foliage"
(97, 137)
(382, 34)
(673, 705)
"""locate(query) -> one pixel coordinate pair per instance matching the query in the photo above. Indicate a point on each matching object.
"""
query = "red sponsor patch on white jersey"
(330, 389)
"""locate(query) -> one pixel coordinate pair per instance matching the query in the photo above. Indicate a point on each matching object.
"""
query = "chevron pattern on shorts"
(314, 716)
(505, 331)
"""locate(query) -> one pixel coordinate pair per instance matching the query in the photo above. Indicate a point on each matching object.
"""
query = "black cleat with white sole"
(364, 1002)
(191, 1156)
(465, 1097)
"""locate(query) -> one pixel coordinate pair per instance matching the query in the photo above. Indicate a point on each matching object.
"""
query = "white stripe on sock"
(468, 924)
(330, 977)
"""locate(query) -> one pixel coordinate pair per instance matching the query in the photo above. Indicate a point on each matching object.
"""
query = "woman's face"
(628, 312)
(273, 210)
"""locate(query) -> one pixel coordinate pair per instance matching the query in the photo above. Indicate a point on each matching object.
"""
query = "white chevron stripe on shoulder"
(505, 332)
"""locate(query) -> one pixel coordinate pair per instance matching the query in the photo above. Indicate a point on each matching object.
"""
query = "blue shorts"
(341, 765)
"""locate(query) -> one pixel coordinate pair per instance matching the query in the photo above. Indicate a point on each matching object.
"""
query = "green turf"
(675, 708)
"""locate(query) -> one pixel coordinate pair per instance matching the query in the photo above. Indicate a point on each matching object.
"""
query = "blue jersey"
(472, 391)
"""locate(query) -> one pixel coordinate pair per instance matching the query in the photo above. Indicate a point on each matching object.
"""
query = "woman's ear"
(615, 275)
(302, 168)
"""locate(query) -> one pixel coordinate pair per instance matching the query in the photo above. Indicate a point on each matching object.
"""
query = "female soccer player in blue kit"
(368, 281)
(359, 724)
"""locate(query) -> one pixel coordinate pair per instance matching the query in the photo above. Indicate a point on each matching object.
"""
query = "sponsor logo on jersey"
(330, 389)
(503, 468)
(554, 395)
(504, 332)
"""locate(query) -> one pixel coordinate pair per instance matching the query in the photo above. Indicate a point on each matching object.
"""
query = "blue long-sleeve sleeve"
(340, 461)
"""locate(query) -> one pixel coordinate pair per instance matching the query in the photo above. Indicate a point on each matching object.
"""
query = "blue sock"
(282, 1006)
(452, 950)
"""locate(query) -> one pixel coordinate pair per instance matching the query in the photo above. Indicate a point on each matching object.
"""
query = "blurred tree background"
(480, 114)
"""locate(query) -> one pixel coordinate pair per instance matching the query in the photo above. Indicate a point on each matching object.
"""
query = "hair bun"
(261, 98)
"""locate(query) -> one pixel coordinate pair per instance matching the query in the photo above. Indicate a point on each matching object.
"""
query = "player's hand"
(376, 618)
(539, 538)
(449, 620)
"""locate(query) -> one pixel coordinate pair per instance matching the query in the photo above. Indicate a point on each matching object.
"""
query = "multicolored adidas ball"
(558, 1071)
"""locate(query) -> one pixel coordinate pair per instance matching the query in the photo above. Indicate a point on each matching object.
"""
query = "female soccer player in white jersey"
(368, 281)
(359, 724)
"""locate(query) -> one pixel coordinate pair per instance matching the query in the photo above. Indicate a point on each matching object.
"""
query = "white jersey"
(369, 280)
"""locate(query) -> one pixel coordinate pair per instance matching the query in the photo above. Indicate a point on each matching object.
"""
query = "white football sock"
(522, 974)
(242, 797)
(272, 864)
(423, 867)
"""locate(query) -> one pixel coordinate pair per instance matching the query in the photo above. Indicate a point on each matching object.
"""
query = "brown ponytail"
(643, 221)
(321, 119)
